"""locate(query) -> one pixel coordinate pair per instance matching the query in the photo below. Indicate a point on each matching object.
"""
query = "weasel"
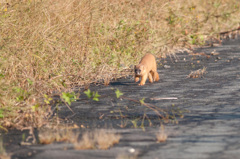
(147, 68)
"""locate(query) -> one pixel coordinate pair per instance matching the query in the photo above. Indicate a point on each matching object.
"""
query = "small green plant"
(23, 137)
(142, 124)
(93, 95)
(1, 113)
(172, 18)
(3, 128)
(135, 123)
(35, 107)
(118, 93)
(30, 81)
(142, 101)
(88, 93)
(196, 39)
(47, 99)
(21, 94)
(69, 97)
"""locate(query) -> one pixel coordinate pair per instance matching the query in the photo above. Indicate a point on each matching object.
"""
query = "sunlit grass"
(98, 139)
(95, 139)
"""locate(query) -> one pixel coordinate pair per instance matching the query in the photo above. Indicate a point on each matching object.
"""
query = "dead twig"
(198, 73)
(150, 106)
(164, 98)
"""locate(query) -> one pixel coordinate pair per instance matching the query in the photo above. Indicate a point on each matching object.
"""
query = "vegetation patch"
(95, 139)
(98, 139)
(161, 135)
(198, 73)
(3, 153)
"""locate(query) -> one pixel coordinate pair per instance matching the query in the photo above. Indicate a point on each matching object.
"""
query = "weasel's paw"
(141, 84)
(136, 80)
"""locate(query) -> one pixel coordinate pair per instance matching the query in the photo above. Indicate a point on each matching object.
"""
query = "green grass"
(48, 46)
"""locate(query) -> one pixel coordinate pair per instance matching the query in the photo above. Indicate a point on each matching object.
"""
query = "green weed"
(1, 113)
(94, 95)
(142, 101)
(47, 99)
(69, 97)
(118, 93)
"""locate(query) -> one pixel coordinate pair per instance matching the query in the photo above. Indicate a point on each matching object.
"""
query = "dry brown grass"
(198, 73)
(48, 46)
(161, 135)
(101, 139)
(5, 156)
(48, 136)
(106, 139)
(86, 142)
(97, 139)
(3, 153)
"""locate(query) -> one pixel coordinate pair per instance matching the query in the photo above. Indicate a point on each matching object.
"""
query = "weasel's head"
(139, 69)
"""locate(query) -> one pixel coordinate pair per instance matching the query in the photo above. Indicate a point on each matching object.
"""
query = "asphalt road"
(210, 104)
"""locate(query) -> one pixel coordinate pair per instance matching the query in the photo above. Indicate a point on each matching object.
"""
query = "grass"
(198, 73)
(48, 136)
(3, 153)
(48, 47)
(96, 139)
(161, 136)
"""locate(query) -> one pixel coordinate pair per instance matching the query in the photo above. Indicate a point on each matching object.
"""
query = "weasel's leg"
(150, 77)
(136, 79)
(143, 80)
(155, 76)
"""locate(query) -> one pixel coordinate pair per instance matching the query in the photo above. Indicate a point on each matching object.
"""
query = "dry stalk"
(101, 139)
(48, 136)
(198, 73)
(3, 153)
(161, 135)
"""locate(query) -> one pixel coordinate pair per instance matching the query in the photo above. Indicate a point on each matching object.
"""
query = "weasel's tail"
(156, 76)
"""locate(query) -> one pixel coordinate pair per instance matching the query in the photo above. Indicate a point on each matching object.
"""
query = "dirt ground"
(204, 112)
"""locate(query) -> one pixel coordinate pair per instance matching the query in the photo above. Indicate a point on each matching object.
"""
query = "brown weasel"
(147, 68)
